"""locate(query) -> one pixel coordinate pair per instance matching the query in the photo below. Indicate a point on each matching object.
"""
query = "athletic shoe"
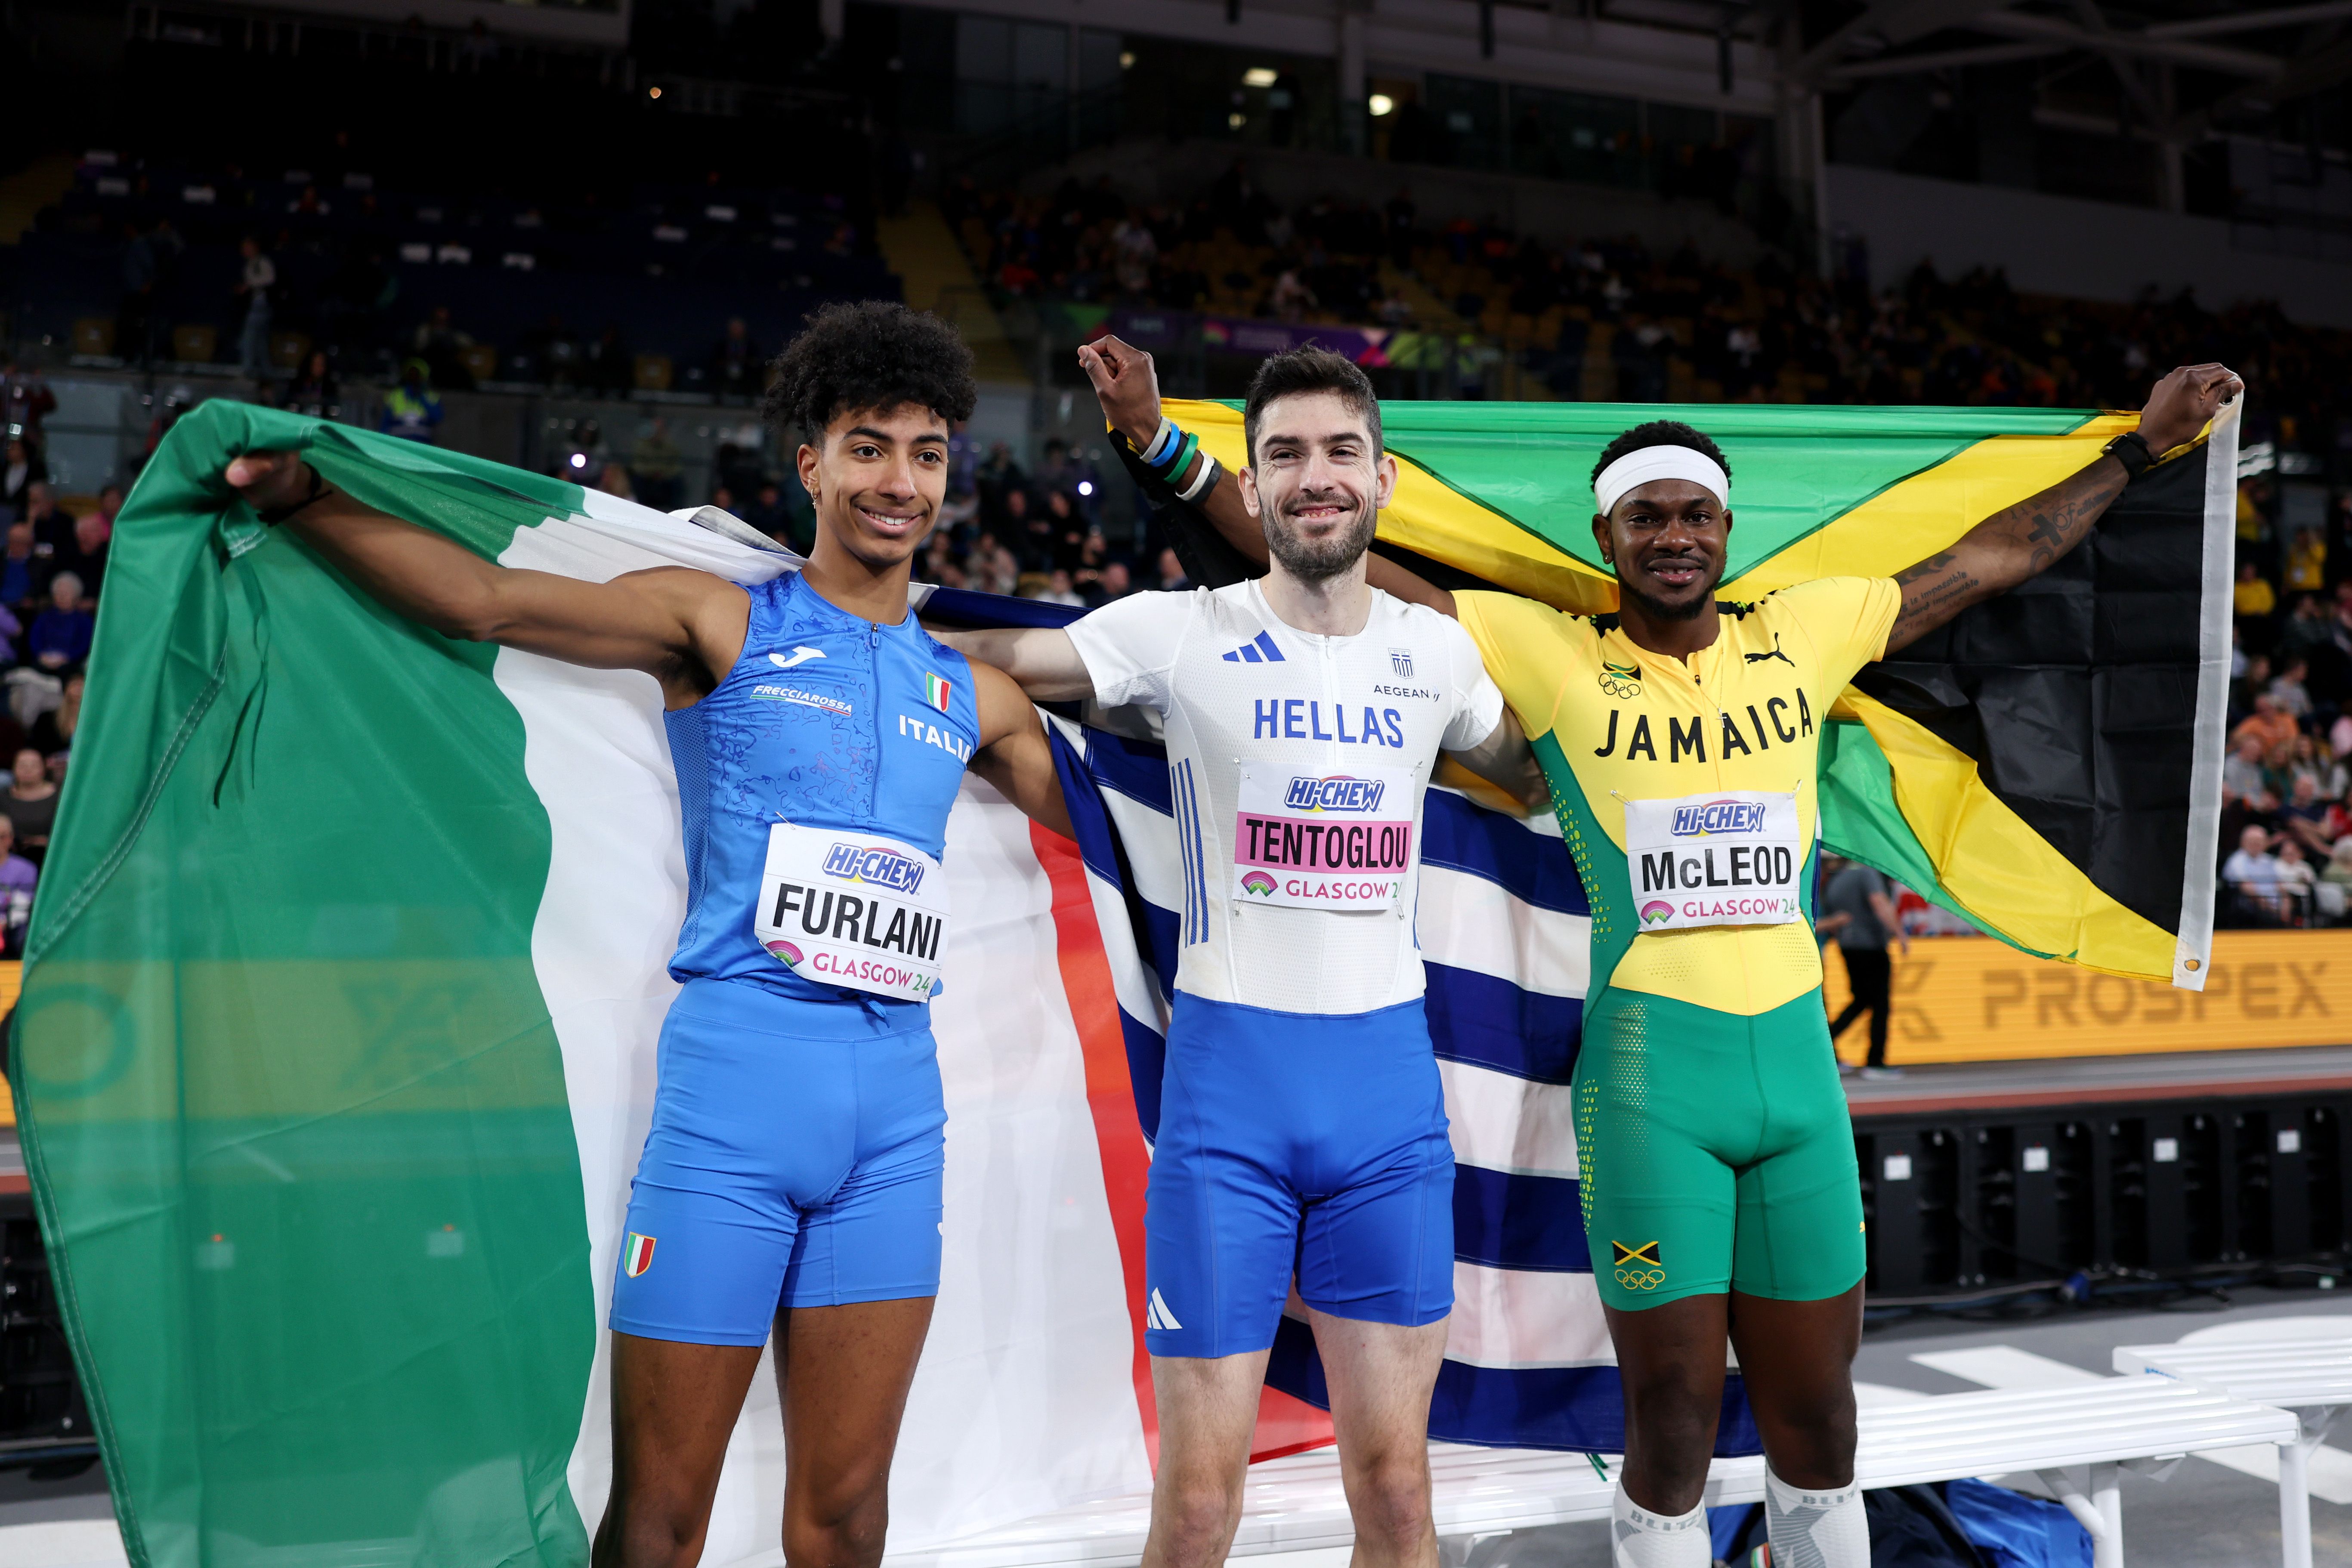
(1882, 1072)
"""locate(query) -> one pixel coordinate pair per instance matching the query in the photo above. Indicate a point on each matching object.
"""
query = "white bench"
(2312, 1378)
(2078, 1441)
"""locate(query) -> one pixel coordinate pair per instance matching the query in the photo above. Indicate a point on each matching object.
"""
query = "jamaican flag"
(2047, 766)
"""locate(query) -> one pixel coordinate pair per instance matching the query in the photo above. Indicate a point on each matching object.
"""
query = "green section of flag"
(292, 1102)
(1860, 818)
(1795, 467)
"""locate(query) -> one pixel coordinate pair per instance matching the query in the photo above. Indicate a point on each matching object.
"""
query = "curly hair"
(1660, 433)
(873, 354)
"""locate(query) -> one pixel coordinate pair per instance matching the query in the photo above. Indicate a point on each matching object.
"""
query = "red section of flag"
(1285, 1424)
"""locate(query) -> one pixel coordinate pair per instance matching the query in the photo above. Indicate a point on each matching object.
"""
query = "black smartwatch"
(2131, 449)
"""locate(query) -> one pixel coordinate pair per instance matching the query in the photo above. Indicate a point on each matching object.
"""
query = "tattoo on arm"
(2004, 549)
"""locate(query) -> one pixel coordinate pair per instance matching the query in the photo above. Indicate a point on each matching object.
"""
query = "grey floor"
(2203, 1516)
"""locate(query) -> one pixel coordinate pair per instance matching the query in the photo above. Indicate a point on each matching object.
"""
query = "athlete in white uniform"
(1302, 1127)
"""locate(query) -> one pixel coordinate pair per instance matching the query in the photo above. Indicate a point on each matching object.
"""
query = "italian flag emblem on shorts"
(636, 1254)
(937, 691)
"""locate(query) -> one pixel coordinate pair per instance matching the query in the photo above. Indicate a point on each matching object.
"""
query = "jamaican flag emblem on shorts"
(1638, 1267)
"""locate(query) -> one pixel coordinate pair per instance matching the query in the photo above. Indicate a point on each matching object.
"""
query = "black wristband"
(2131, 449)
(319, 491)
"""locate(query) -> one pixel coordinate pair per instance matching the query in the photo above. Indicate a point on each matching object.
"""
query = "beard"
(1319, 560)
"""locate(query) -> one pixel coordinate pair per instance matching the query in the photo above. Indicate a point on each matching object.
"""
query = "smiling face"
(1666, 540)
(1318, 483)
(877, 480)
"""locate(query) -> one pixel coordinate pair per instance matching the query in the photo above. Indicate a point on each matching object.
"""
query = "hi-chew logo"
(1718, 817)
(881, 866)
(1337, 793)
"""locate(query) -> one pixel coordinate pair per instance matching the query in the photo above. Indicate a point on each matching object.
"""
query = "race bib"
(1728, 859)
(852, 909)
(1323, 841)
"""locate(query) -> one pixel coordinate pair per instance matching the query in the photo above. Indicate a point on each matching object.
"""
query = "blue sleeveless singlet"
(828, 721)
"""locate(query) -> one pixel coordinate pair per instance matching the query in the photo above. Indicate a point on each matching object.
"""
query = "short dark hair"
(875, 354)
(1309, 369)
(1660, 433)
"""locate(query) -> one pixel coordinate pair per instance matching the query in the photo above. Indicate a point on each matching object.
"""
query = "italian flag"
(335, 1057)
(936, 691)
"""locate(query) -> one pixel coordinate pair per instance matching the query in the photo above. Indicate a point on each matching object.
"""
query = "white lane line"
(2006, 1366)
(63, 1543)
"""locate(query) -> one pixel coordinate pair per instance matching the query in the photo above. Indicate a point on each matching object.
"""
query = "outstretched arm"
(1015, 754)
(684, 627)
(1128, 389)
(2011, 546)
(1040, 660)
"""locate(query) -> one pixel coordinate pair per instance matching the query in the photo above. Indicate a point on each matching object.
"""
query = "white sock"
(1815, 1529)
(1644, 1540)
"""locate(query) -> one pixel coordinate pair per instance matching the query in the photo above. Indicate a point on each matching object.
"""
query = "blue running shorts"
(796, 1159)
(1303, 1145)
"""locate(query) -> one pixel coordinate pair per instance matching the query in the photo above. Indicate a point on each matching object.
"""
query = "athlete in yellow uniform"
(1679, 741)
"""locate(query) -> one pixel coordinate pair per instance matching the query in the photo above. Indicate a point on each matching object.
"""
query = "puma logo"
(1751, 658)
(802, 655)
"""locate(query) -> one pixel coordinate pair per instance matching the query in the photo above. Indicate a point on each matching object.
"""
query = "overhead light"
(653, 92)
(1235, 121)
(1085, 487)
(1380, 103)
(1127, 59)
(1257, 76)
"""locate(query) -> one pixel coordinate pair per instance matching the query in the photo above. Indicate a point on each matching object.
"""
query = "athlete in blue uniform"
(791, 1181)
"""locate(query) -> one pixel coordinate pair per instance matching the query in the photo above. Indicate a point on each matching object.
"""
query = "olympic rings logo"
(1641, 1278)
(1621, 689)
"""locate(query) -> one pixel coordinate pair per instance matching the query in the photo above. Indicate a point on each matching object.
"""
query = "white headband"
(1637, 468)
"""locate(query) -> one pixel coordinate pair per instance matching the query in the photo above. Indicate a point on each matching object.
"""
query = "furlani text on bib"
(853, 910)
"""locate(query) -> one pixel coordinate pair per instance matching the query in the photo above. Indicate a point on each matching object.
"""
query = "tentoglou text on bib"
(1322, 841)
(852, 909)
(1725, 858)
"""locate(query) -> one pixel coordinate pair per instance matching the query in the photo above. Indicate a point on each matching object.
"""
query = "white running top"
(1296, 765)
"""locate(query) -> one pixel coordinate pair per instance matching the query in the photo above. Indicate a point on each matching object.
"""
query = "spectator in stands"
(442, 347)
(60, 634)
(2253, 599)
(257, 281)
(16, 571)
(657, 469)
(2268, 720)
(2337, 874)
(22, 469)
(1066, 531)
(412, 409)
(30, 803)
(2254, 876)
(2242, 777)
(52, 733)
(1112, 582)
(93, 543)
(737, 369)
(613, 478)
(554, 351)
(315, 391)
(1171, 571)
(608, 366)
(148, 263)
(25, 400)
(2288, 692)
(18, 878)
(1058, 591)
(2298, 882)
(2307, 818)
(56, 540)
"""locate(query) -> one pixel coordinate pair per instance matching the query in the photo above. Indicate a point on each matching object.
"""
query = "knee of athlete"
(1390, 1499)
(1811, 1439)
(649, 1534)
(1198, 1514)
(843, 1532)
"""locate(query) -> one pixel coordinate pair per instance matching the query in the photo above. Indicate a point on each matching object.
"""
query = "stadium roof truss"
(2184, 69)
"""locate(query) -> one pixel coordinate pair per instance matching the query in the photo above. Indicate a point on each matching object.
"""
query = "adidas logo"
(1156, 1314)
(1259, 649)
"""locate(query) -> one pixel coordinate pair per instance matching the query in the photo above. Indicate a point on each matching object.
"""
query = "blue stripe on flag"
(1508, 1221)
(1533, 868)
(1490, 1022)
